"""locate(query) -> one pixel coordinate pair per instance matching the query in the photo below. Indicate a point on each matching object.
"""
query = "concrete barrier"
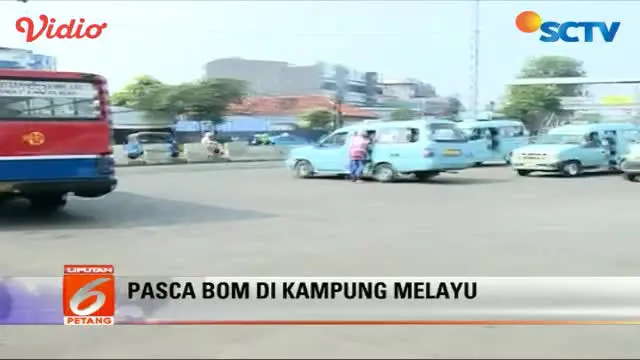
(156, 154)
(119, 155)
(264, 152)
(198, 153)
(153, 155)
(237, 148)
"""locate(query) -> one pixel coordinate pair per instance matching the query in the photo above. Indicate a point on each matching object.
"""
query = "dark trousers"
(356, 167)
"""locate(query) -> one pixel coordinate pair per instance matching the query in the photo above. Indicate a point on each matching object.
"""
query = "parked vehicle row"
(428, 147)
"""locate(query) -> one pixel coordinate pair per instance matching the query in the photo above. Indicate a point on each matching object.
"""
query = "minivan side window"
(512, 131)
(397, 136)
(593, 140)
(445, 132)
(477, 134)
(413, 135)
(337, 139)
(154, 139)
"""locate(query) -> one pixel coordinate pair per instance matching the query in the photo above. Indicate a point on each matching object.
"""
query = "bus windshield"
(443, 132)
(48, 100)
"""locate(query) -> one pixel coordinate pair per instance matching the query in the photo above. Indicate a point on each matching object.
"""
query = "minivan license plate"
(451, 152)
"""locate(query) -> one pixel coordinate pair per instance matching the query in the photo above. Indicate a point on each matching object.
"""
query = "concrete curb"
(200, 162)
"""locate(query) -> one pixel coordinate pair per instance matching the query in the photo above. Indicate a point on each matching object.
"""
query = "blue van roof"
(580, 129)
(489, 123)
(418, 123)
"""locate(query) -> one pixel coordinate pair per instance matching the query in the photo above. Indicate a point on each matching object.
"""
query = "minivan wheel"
(384, 173)
(303, 169)
(523, 172)
(629, 177)
(572, 168)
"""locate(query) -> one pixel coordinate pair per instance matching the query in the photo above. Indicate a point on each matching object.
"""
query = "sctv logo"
(570, 31)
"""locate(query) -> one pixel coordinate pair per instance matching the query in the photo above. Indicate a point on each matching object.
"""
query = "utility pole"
(338, 112)
(475, 61)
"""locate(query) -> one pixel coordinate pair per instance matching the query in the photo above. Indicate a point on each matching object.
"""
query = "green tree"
(317, 119)
(401, 114)
(555, 67)
(532, 103)
(135, 91)
(199, 100)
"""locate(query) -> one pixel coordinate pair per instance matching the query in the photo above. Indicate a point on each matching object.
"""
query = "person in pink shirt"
(357, 155)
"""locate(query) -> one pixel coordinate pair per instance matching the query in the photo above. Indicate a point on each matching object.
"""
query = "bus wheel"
(47, 203)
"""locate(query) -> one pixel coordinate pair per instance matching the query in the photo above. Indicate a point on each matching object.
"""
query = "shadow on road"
(492, 165)
(197, 168)
(120, 210)
(456, 180)
(438, 180)
(586, 175)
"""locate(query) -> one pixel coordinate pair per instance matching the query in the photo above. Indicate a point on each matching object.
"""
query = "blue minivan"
(574, 149)
(494, 140)
(424, 148)
(143, 141)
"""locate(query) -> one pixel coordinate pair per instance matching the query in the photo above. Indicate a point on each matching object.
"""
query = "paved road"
(199, 220)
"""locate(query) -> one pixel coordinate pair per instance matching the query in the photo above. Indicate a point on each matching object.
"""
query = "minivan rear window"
(443, 132)
(47, 100)
(154, 138)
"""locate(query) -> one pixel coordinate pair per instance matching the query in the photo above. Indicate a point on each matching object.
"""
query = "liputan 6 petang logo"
(88, 295)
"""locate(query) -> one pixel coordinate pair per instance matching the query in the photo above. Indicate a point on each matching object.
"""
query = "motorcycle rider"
(213, 147)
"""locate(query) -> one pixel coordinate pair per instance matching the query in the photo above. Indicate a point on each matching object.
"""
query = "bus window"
(48, 100)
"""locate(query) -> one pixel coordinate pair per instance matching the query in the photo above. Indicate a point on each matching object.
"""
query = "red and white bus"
(55, 137)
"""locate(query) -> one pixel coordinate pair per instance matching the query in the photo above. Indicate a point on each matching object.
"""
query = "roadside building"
(12, 58)
(278, 78)
(272, 114)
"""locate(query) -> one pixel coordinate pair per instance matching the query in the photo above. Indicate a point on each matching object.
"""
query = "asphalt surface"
(255, 220)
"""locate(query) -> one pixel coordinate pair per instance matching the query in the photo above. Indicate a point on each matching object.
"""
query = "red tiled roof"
(294, 105)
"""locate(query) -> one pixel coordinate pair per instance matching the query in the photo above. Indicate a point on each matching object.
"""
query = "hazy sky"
(428, 40)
